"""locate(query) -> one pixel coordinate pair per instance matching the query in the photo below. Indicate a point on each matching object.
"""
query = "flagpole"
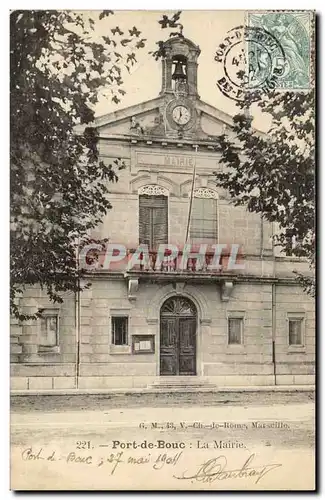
(191, 197)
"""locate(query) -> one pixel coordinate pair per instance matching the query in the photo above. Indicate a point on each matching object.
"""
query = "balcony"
(182, 268)
(169, 261)
(167, 265)
(184, 263)
(152, 263)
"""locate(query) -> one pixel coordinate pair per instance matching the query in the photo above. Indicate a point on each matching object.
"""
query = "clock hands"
(181, 115)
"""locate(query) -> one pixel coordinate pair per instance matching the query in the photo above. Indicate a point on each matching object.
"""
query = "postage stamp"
(293, 32)
(249, 58)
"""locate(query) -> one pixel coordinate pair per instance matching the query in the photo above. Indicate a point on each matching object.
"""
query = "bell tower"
(179, 88)
(179, 67)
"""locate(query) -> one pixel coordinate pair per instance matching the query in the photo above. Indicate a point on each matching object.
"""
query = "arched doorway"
(178, 322)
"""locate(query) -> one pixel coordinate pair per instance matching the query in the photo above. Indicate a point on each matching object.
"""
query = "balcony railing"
(156, 262)
(151, 262)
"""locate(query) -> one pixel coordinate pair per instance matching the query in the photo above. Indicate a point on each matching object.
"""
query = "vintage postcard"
(162, 250)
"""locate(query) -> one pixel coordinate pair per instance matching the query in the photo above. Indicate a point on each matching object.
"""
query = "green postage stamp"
(292, 31)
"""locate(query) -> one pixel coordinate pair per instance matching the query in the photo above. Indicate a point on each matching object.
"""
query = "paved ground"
(246, 441)
(108, 401)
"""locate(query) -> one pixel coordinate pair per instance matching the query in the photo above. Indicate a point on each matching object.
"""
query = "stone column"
(192, 77)
(163, 76)
(204, 344)
(267, 242)
(268, 268)
(29, 332)
(15, 334)
(87, 313)
(169, 68)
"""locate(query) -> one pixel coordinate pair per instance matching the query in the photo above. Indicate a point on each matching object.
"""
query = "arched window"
(178, 306)
(204, 218)
(179, 74)
(153, 216)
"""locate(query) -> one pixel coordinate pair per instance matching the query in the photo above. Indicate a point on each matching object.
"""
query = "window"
(204, 217)
(295, 331)
(235, 330)
(153, 220)
(120, 330)
(49, 332)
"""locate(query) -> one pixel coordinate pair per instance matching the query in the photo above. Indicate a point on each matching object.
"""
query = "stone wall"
(235, 225)
(31, 369)
(257, 293)
(104, 366)
(121, 224)
(294, 365)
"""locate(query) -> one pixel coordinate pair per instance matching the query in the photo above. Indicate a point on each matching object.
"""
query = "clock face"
(181, 115)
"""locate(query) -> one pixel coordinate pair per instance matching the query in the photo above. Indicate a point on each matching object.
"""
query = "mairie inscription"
(179, 161)
(170, 161)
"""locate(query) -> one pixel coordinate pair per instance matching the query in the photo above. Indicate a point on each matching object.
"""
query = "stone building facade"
(161, 324)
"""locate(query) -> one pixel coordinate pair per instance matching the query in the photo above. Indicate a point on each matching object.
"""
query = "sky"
(205, 28)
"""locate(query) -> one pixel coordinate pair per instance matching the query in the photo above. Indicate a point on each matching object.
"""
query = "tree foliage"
(168, 22)
(58, 66)
(274, 173)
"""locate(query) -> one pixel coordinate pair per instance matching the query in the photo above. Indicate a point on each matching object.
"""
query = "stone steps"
(180, 383)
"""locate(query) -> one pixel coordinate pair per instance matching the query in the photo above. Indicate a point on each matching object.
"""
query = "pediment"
(130, 121)
(130, 125)
(213, 122)
(146, 119)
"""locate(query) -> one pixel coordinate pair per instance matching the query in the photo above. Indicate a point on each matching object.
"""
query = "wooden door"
(168, 346)
(178, 337)
(187, 346)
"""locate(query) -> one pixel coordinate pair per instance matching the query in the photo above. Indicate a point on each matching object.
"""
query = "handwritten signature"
(216, 469)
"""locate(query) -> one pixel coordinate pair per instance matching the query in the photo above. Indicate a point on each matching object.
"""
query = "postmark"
(248, 58)
(293, 31)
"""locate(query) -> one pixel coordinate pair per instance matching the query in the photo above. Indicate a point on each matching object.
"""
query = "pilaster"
(29, 332)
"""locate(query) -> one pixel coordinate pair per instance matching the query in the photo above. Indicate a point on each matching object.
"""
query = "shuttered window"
(295, 331)
(153, 220)
(49, 331)
(120, 330)
(204, 221)
(235, 330)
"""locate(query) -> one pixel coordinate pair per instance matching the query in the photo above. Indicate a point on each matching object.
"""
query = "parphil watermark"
(167, 257)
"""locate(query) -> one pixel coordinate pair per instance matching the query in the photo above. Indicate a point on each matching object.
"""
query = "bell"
(179, 72)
